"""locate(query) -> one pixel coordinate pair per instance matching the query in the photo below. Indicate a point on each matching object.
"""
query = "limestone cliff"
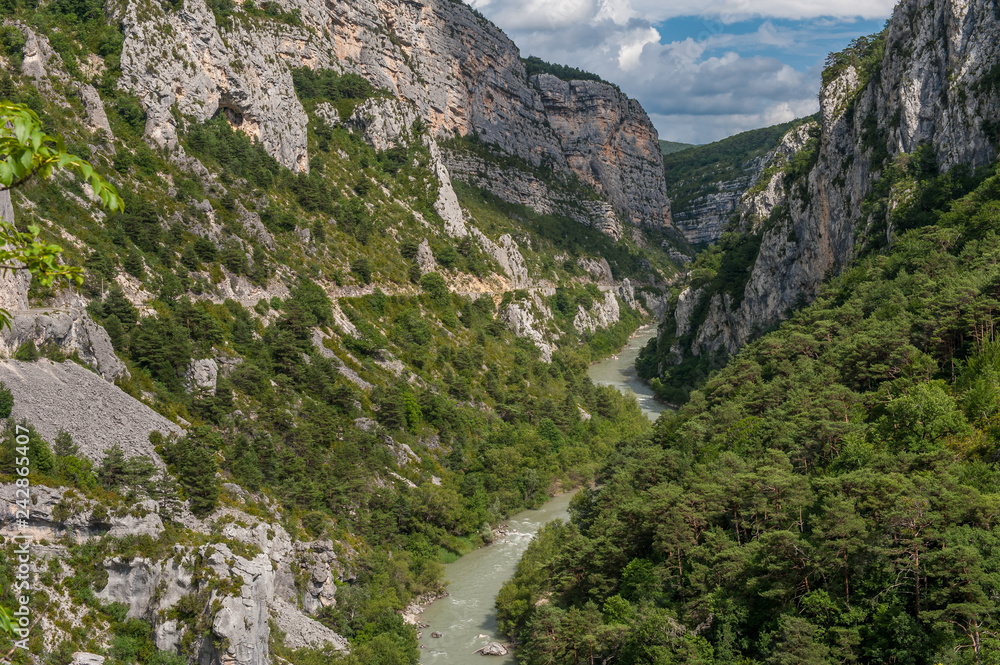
(610, 144)
(935, 86)
(461, 73)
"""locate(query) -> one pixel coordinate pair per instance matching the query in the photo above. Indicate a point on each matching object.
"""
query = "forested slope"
(830, 496)
(364, 368)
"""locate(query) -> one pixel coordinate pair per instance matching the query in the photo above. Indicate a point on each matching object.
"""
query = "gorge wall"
(936, 85)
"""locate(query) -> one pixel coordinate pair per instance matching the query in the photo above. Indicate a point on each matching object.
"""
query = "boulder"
(202, 375)
(425, 258)
(84, 658)
(494, 649)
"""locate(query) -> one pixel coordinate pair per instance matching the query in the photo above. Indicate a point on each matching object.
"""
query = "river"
(619, 371)
(465, 618)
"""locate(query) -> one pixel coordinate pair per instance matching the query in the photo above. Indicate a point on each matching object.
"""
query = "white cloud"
(631, 46)
(513, 15)
(736, 10)
(618, 11)
(700, 89)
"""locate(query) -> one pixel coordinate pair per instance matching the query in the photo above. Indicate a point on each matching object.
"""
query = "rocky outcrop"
(64, 396)
(603, 314)
(58, 513)
(506, 253)
(769, 191)
(183, 58)
(703, 220)
(521, 318)
(40, 61)
(202, 375)
(609, 144)
(239, 618)
(425, 258)
(97, 119)
(384, 123)
(936, 86)
(71, 330)
(518, 186)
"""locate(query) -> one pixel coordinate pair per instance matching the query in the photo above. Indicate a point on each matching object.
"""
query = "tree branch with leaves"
(26, 153)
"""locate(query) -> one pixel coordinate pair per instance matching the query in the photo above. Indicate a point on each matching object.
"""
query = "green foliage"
(6, 400)
(235, 153)
(670, 147)
(326, 84)
(40, 458)
(273, 10)
(192, 460)
(535, 65)
(864, 54)
(803, 161)
(26, 352)
(162, 346)
(344, 91)
(434, 284)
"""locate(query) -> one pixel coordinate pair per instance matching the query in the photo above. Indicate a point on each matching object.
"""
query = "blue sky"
(702, 70)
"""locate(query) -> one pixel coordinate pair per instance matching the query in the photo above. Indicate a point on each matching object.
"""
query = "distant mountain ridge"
(706, 182)
(670, 147)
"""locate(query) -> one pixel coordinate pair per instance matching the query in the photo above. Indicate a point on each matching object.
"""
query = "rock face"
(81, 522)
(704, 219)
(97, 414)
(459, 73)
(506, 253)
(425, 258)
(934, 86)
(240, 620)
(522, 321)
(602, 315)
(610, 144)
(97, 119)
(182, 57)
(71, 330)
(519, 186)
(202, 375)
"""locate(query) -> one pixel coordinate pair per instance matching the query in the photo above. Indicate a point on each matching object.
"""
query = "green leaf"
(21, 130)
(6, 618)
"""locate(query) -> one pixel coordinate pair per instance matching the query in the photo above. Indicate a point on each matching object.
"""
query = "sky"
(705, 69)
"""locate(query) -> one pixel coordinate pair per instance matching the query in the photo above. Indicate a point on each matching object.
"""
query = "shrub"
(27, 352)
(434, 284)
(6, 400)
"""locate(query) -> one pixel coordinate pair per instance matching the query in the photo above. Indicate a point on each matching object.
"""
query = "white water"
(467, 612)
